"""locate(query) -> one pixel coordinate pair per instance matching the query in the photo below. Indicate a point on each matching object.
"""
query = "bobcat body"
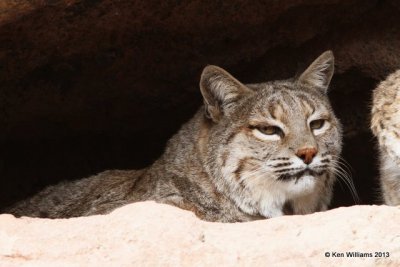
(385, 124)
(252, 151)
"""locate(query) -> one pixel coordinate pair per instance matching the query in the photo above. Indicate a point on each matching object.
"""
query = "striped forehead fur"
(270, 99)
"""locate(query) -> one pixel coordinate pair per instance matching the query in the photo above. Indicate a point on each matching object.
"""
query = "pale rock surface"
(150, 234)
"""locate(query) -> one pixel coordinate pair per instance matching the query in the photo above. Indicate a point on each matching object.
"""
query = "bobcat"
(385, 124)
(250, 152)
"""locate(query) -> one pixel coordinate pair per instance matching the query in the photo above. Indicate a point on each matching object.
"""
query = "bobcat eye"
(317, 124)
(268, 133)
(270, 130)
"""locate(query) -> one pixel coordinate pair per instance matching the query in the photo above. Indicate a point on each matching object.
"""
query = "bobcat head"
(272, 143)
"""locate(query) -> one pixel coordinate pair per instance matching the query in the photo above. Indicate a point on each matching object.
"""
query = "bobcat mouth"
(297, 175)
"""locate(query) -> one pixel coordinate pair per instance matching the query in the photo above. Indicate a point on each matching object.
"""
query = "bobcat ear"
(319, 73)
(220, 91)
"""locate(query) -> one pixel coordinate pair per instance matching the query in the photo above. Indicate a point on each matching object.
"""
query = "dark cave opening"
(359, 148)
(29, 164)
(82, 92)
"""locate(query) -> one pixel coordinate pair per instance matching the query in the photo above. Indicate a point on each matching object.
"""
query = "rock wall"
(149, 234)
(89, 85)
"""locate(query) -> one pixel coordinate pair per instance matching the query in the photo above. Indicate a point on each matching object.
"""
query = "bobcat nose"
(307, 154)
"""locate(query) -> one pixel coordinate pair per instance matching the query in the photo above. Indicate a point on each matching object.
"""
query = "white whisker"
(345, 176)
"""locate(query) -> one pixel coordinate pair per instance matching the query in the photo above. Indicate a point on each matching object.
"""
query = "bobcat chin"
(250, 152)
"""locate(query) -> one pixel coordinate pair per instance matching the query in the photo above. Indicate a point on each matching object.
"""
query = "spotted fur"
(385, 124)
(221, 165)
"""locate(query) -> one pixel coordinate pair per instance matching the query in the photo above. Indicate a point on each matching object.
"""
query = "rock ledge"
(150, 234)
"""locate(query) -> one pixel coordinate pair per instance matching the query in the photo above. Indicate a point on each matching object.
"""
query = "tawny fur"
(220, 164)
(385, 124)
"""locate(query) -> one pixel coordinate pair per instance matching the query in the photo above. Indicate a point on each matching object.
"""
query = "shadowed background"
(90, 85)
